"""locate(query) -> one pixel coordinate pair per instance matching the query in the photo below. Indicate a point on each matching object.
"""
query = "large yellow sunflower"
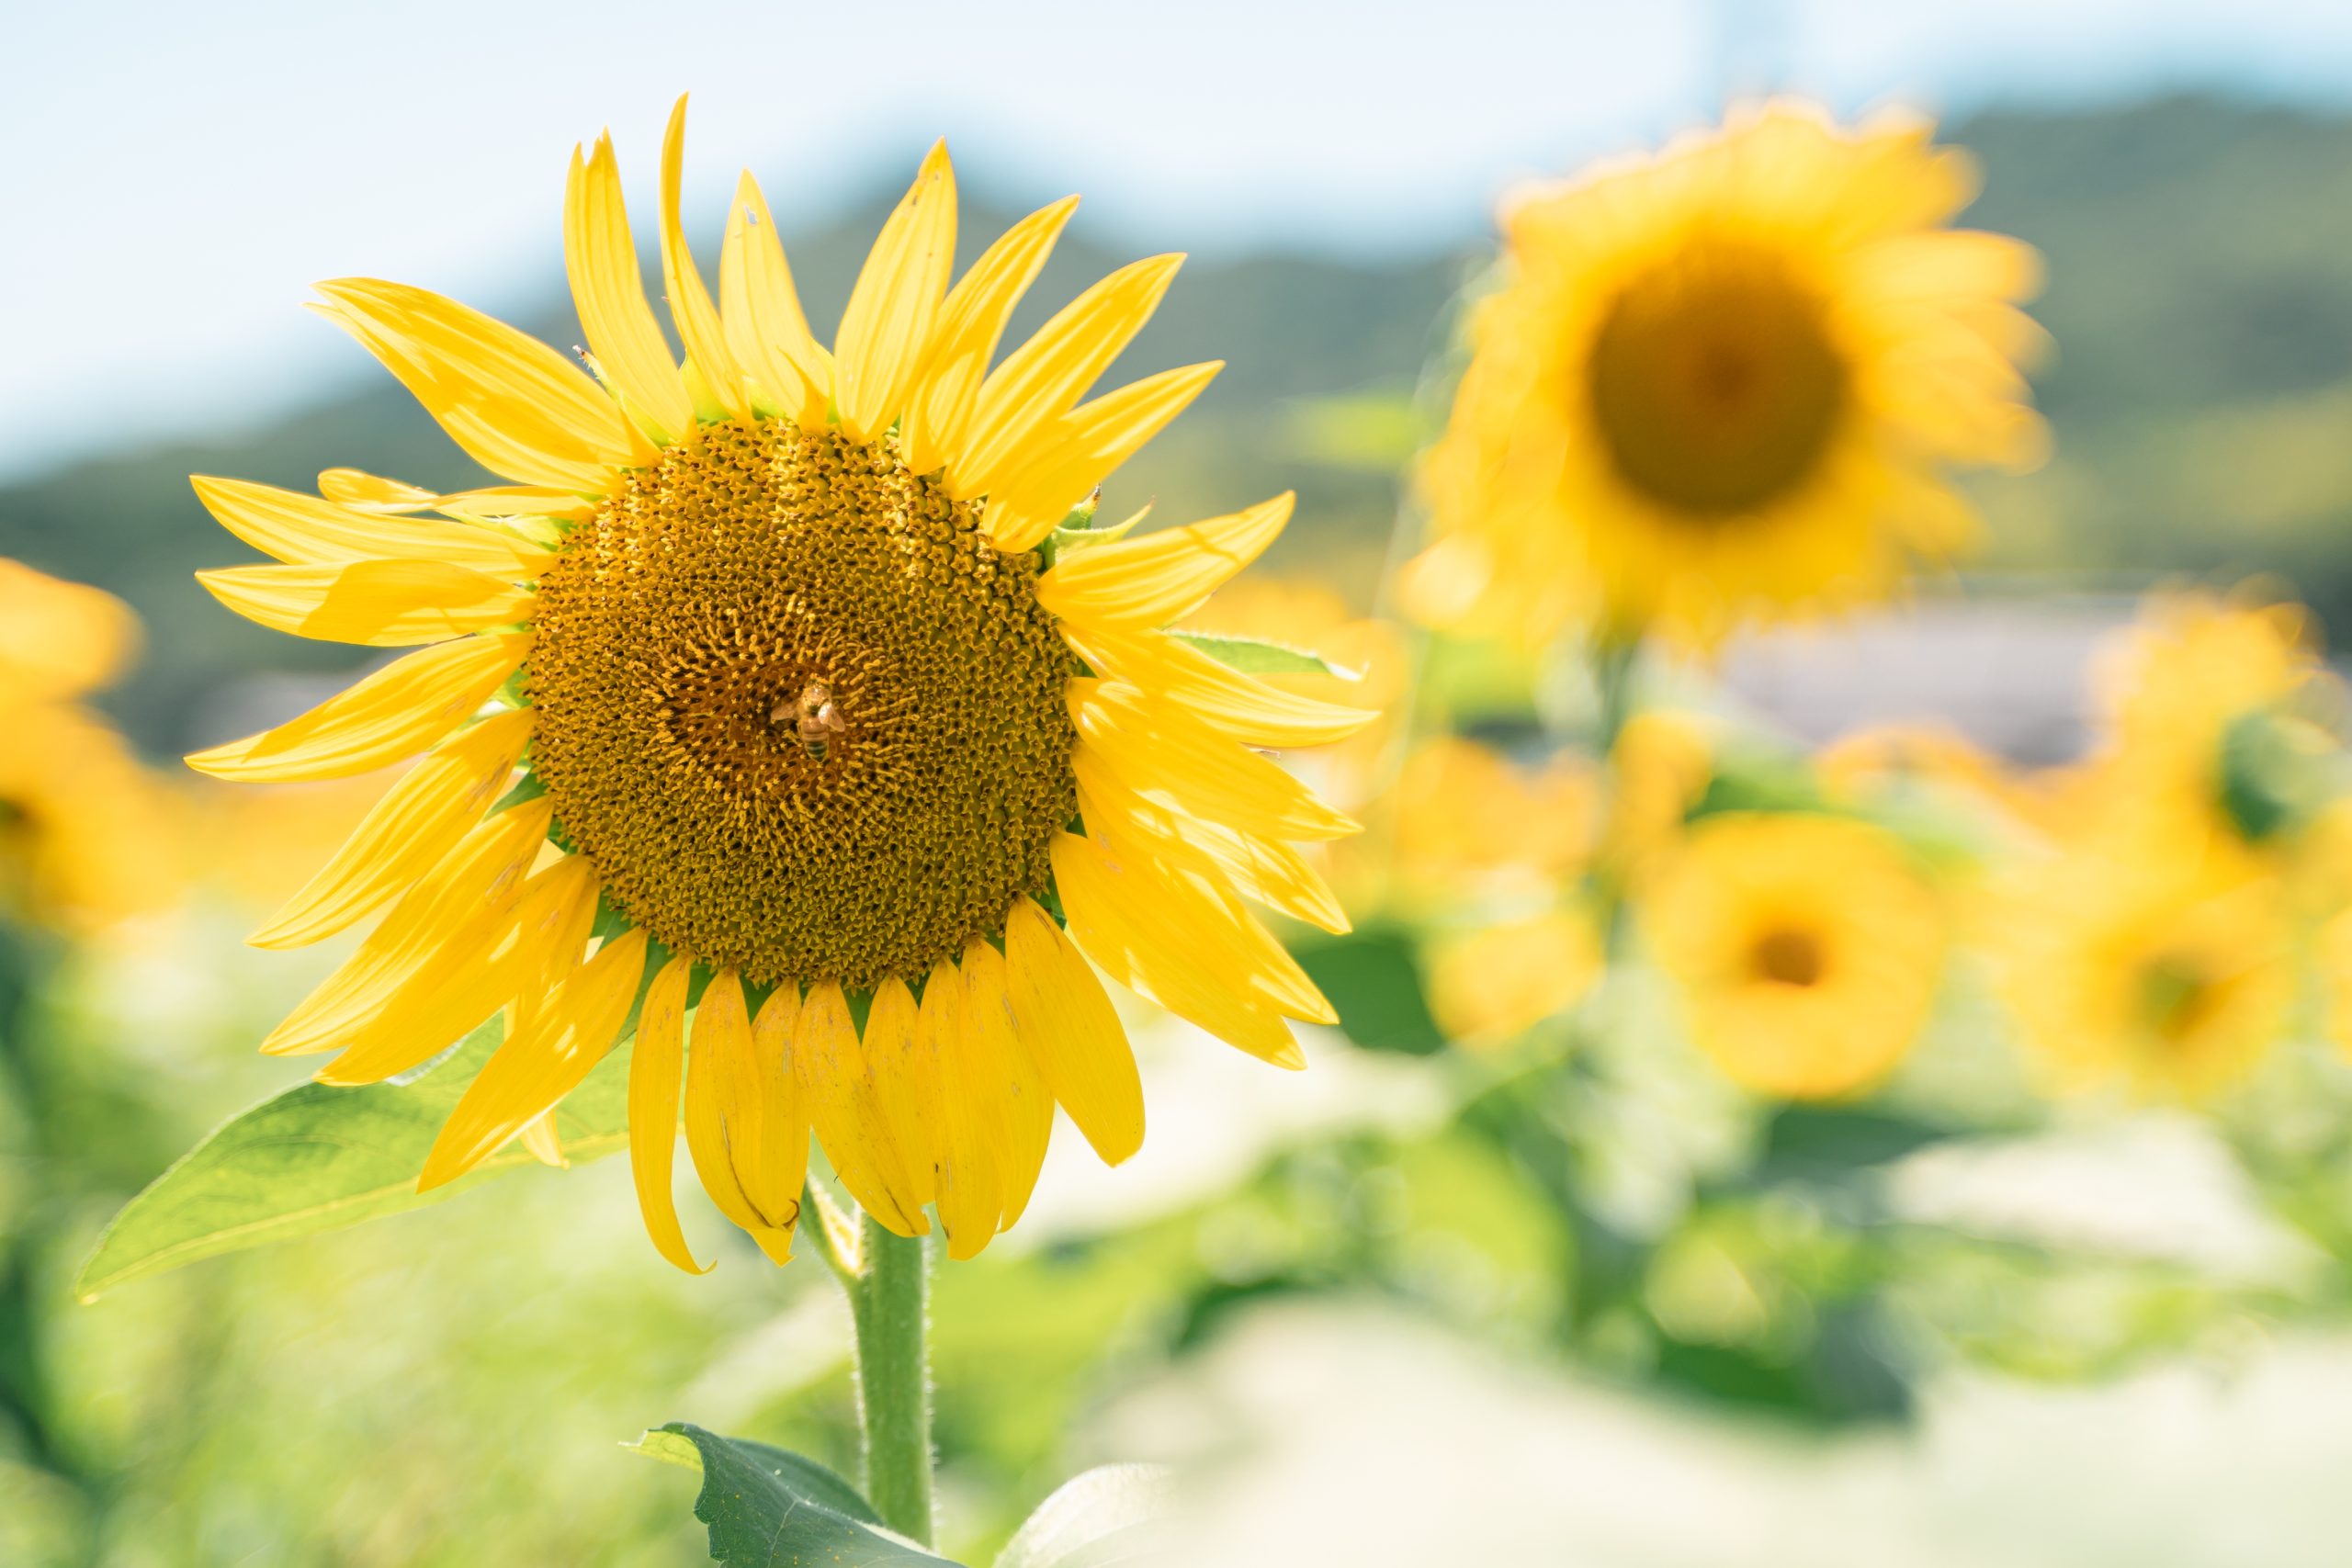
(2169, 969)
(1720, 383)
(1807, 948)
(822, 733)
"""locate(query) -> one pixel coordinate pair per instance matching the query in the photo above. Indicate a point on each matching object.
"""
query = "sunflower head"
(1807, 948)
(1722, 384)
(782, 702)
(2167, 971)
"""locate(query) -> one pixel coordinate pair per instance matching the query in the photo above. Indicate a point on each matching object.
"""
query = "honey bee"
(813, 716)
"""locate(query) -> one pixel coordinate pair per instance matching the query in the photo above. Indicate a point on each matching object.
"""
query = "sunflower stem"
(889, 1304)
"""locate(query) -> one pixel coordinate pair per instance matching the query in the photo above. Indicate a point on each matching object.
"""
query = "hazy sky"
(172, 178)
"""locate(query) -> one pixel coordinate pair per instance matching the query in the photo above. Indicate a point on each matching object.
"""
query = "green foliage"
(318, 1158)
(768, 1508)
(1373, 978)
(1254, 656)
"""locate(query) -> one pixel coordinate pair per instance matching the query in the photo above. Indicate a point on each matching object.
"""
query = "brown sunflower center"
(1788, 956)
(2175, 997)
(796, 712)
(1715, 383)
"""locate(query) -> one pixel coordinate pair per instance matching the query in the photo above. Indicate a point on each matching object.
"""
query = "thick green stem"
(889, 1301)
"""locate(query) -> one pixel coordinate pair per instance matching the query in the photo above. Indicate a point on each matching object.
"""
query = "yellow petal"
(1225, 699)
(395, 713)
(608, 292)
(1268, 871)
(653, 1067)
(1208, 926)
(419, 819)
(1040, 382)
(1163, 577)
(529, 1074)
(304, 530)
(513, 404)
(759, 311)
(1079, 451)
(1071, 1033)
(1159, 953)
(486, 868)
(690, 308)
(839, 1093)
(907, 1087)
(970, 323)
(973, 1134)
(432, 955)
(886, 326)
(353, 487)
(779, 1152)
(554, 920)
(1029, 1105)
(377, 604)
(720, 1079)
(545, 1144)
(1165, 755)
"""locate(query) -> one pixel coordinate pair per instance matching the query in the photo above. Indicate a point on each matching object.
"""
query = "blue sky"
(173, 178)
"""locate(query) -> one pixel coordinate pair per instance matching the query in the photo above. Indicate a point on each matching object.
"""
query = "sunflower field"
(1647, 938)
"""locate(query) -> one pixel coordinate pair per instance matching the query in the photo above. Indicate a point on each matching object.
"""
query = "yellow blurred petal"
(1071, 1033)
(1040, 382)
(59, 638)
(690, 307)
(377, 603)
(529, 1074)
(513, 404)
(1029, 1105)
(885, 329)
(842, 1111)
(608, 292)
(760, 314)
(974, 1133)
(1157, 951)
(653, 1068)
(305, 530)
(395, 713)
(1170, 757)
(1079, 451)
(907, 1086)
(970, 324)
(1163, 577)
(419, 819)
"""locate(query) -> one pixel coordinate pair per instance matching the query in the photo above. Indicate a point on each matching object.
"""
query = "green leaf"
(316, 1158)
(768, 1508)
(1102, 1518)
(1373, 977)
(1254, 656)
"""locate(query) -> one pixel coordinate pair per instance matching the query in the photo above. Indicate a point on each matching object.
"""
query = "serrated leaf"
(318, 1158)
(766, 1508)
(1113, 1515)
(1255, 656)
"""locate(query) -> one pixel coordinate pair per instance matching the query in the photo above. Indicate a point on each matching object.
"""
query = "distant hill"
(2200, 262)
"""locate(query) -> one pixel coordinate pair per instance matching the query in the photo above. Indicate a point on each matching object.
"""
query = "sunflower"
(766, 690)
(1806, 947)
(1719, 384)
(2169, 970)
(84, 843)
